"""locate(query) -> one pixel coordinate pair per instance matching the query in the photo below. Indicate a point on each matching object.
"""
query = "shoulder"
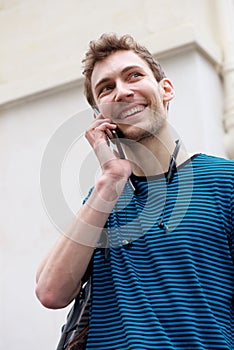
(212, 161)
(213, 167)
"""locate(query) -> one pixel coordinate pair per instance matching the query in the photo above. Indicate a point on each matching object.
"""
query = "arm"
(60, 273)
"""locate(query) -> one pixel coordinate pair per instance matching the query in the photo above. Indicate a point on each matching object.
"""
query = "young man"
(167, 282)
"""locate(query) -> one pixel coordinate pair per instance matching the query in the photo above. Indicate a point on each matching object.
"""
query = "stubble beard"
(148, 130)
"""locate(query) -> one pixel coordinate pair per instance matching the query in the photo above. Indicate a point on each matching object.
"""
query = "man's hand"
(98, 135)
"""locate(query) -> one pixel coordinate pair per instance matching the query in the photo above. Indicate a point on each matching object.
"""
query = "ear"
(168, 91)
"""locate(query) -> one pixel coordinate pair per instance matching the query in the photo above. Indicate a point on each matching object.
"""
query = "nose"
(123, 91)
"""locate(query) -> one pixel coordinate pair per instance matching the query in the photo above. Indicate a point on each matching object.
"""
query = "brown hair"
(106, 45)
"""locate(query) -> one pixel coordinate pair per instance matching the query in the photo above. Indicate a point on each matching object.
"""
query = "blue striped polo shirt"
(169, 287)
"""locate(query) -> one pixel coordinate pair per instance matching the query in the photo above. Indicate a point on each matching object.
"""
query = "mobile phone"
(115, 138)
(120, 151)
(115, 133)
(116, 141)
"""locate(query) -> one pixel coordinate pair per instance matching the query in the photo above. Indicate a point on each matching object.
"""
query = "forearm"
(58, 277)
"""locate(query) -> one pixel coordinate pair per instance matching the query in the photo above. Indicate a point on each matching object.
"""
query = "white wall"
(196, 111)
(26, 231)
(42, 42)
(41, 51)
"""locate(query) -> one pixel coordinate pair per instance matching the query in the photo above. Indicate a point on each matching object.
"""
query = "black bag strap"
(88, 271)
(75, 314)
(79, 305)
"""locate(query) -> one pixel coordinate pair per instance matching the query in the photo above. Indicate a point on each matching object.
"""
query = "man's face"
(125, 90)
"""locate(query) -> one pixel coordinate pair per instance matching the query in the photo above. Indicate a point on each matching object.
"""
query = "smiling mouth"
(132, 111)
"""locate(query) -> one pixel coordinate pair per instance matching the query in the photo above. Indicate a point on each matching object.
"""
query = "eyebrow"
(106, 79)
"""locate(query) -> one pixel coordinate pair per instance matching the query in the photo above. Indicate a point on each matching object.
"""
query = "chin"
(139, 133)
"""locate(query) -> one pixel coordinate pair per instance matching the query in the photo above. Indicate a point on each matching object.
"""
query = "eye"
(135, 75)
(105, 90)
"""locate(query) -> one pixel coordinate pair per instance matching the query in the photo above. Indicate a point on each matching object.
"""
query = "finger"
(109, 134)
(104, 153)
(106, 126)
(98, 122)
(98, 133)
(99, 115)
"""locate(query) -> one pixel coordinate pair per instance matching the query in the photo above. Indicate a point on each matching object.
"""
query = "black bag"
(75, 331)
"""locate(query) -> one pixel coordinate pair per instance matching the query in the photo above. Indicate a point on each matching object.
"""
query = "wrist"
(106, 193)
(110, 186)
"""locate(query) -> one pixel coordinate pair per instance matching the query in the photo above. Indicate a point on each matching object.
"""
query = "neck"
(151, 156)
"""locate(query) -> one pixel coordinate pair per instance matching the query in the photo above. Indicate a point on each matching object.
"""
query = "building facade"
(42, 106)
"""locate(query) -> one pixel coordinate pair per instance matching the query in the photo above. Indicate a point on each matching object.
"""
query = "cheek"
(105, 104)
(155, 93)
(106, 108)
(148, 89)
(155, 102)
(110, 109)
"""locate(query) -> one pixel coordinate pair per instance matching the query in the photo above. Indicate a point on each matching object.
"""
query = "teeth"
(132, 111)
